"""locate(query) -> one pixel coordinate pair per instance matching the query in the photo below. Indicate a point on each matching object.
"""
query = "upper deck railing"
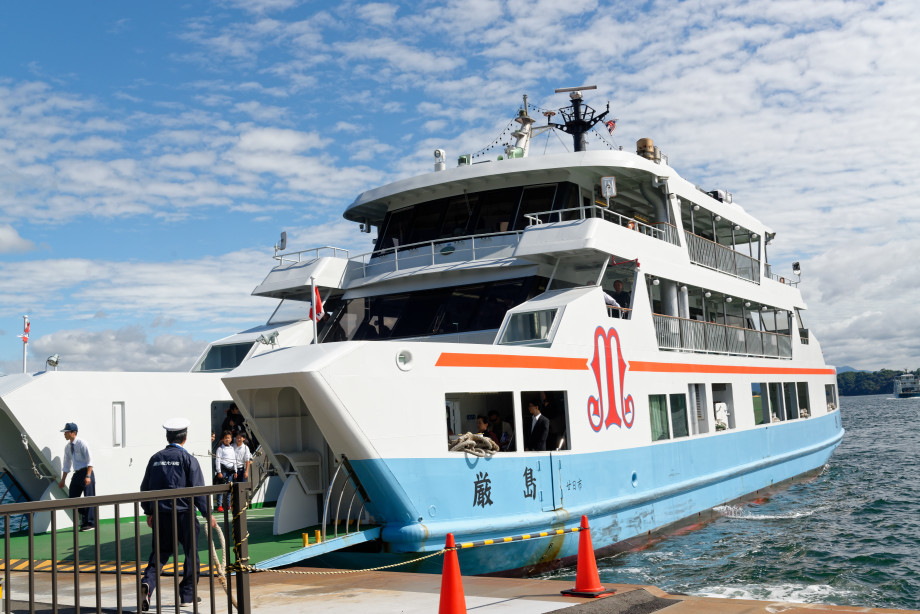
(789, 281)
(721, 258)
(311, 254)
(708, 337)
(661, 231)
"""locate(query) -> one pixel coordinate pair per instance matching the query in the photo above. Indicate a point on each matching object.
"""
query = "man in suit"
(538, 429)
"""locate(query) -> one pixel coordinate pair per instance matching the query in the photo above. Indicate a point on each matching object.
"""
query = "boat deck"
(262, 545)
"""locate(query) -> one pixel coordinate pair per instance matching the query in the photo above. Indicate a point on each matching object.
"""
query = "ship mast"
(579, 118)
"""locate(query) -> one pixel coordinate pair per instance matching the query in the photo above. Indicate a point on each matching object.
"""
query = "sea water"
(851, 536)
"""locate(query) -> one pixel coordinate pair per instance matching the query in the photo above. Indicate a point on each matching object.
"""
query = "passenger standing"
(83, 482)
(225, 466)
(539, 428)
(243, 458)
(174, 467)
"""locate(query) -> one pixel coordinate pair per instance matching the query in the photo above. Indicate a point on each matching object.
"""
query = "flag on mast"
(25, 329)
(316, 314)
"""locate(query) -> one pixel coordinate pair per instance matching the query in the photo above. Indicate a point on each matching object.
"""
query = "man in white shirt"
(78, 457)
(225, 467)
(243, 458)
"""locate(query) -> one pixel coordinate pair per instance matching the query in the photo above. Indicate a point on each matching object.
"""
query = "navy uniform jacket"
(173, 467)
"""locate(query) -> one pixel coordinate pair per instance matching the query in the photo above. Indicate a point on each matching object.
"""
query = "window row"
(486, 212)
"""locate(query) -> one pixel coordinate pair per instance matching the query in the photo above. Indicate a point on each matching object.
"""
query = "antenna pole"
(25, 340)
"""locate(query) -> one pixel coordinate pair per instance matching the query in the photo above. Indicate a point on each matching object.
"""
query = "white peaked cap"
(177, 424)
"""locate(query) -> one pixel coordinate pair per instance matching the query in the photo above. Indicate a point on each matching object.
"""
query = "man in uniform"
(174, 467)
(83, 482)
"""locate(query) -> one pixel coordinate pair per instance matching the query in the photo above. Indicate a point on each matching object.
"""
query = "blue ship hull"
(626, 494)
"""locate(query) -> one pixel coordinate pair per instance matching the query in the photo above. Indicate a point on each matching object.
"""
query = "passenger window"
(545, 420)
(679, 415)
(658, 412)
(761, 403)
(830, 395)
(466, 412)
(804, 406)
(723, 406)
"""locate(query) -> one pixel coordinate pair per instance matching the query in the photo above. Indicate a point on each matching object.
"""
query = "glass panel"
(529, 326)
(224, 357)
(397, 230)
(679, 415)
(497, 210)
(792, 406)
(291, 310)
(830, 396)
(658, 412)
(804, 406)
(761, 404)
(457, 217)
(535, 200)
(776, 402)
(419, 312)
(427, 221)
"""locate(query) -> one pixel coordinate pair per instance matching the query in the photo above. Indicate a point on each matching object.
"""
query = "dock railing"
(120, 553)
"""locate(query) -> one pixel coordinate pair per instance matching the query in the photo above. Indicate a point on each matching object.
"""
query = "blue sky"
(150, 153)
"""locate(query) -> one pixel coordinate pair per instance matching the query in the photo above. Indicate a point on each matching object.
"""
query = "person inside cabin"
(234, 420)
(619, 295)
(483, 428)
(502, 429)
(538, 429)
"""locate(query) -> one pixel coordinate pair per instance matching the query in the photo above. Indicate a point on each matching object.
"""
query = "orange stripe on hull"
(673, 367)
(505, 361)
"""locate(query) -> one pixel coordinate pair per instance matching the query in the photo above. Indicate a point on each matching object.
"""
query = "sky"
(152, 152)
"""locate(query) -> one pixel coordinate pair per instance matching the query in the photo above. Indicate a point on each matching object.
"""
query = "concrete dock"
(315, 590)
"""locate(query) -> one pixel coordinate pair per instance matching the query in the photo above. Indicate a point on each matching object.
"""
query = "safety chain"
(250, 568)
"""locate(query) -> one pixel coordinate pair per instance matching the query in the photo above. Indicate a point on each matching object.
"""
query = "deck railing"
(661, 231)
(721, 258)
(311, 254)
(708, 337)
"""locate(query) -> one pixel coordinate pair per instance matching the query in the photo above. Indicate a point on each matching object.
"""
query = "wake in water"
(736, 511)
(819, 593)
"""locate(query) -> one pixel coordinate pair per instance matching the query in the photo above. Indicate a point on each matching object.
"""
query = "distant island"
(853, 383)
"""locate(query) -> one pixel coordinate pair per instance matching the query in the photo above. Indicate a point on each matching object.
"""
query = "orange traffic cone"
(452, 600)
(587, 581)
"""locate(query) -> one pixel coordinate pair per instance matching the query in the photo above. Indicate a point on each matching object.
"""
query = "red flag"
(611, 125)
(25, 331)
(318, 304)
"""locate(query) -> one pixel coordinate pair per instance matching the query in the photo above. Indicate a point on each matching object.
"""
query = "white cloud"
(11, 242)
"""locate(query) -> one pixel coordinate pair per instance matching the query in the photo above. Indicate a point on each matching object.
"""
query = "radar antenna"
(579, 118)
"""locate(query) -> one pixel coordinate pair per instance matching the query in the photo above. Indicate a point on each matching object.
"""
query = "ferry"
(120, 415)
(906, 386)
(533, 339)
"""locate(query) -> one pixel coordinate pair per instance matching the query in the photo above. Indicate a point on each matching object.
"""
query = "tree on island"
(855, 383)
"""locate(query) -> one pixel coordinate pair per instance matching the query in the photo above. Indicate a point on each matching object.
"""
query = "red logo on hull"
(620, 410)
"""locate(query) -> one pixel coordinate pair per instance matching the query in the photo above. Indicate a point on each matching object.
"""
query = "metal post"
(240, 545)
(314, 310)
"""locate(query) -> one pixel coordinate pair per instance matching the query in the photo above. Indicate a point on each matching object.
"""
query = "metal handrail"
(535, 219)
(288, 257)
(358, 490)
(712, 338)
(722, 258)
(365, 258)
